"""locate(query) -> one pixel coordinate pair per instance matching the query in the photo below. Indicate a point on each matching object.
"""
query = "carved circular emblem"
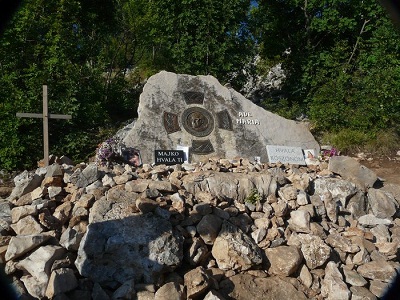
(197, 121)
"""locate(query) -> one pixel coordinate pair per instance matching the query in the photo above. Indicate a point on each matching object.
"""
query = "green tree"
(57, 43)
(343, 61)
(202, 36)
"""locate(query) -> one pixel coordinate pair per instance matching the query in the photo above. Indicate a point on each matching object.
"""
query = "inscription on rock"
(290, 155)
(197, 121)
(210, 119)
(169, 157)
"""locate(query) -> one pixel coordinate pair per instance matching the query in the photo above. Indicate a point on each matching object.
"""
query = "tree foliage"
(341, 58)
(343, 66)
(61, 44)
(94, 55)
(203, 36)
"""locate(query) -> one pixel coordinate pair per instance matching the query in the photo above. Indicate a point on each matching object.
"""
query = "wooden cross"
(45, 115)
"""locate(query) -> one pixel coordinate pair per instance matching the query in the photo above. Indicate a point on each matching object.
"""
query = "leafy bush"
(253, 197)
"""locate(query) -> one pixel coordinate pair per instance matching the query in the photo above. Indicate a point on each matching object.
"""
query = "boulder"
(27, 225)
(370, 221)
(25, 183)
(300, 221)
(61, 281)
(210, 119)
(340, 189)
(21, 244)
(350, 169)
(38, 265)
(314, 250)
(197, 282)
(284, 260)
(89, 175)
(235, 186)
(208, 228)
(377, 270)
(333, 286)
(120, 245)
(383, 205)
(248, 287)
(234, 250)
(361, 293)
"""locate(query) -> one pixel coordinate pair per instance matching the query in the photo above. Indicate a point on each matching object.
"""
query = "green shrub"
(383, 142)
(253, 197)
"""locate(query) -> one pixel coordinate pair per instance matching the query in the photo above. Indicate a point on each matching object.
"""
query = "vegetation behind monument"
(341, 61)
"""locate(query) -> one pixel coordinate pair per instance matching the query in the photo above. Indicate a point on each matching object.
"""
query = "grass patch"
(347, 141)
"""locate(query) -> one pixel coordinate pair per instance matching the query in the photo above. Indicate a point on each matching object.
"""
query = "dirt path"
(385, 168)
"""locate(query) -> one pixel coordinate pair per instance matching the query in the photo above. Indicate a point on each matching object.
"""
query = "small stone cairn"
(216, 229)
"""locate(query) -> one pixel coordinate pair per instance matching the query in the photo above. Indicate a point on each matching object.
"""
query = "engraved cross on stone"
(45, 115)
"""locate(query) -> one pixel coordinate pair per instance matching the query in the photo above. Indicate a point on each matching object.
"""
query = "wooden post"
(45, 116)
(45, 127)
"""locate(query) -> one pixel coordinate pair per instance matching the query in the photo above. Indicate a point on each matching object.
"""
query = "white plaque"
(185, 150)
(285, 155)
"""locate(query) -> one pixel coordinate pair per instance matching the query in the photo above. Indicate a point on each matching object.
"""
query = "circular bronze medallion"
(197, 121)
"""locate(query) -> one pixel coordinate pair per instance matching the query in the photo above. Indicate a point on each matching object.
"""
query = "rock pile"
(218, 229)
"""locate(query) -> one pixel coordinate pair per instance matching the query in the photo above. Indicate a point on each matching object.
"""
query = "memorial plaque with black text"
(169, 157)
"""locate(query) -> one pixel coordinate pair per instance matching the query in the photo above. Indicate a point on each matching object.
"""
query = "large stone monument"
(210, 119)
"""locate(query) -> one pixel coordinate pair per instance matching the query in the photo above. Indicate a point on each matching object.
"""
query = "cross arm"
(51, 116)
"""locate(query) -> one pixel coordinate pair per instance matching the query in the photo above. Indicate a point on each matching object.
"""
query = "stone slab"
(211, 119)
(285, 155)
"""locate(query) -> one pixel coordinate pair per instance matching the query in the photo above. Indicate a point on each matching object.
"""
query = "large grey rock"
(38, 265)
(378, 270)
(89, 175)
(383, 205)
(25, 183)
(352, 170)
(284, 260)
(71, 238)
(300, 221)
(353, 278)
(22, 244)
(235, 186)
(314, 250)
(61, 280)
(248, 287)
(200, 113)
(208, 228)
(333, 286)
(370, 221)
(340, 189)
(357, 204)
(361, 293)
(234, 250)
(5, 217)
(121, 245)
(393, 189)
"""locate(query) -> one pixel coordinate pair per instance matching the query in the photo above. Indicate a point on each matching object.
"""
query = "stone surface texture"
(169, 102)
(216, 229)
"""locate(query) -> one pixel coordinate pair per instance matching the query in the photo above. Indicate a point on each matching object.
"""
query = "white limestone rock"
(228, 123)
(21, 244)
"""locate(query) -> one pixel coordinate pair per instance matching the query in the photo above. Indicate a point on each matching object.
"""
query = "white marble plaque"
(185, 150)
(285, 155)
